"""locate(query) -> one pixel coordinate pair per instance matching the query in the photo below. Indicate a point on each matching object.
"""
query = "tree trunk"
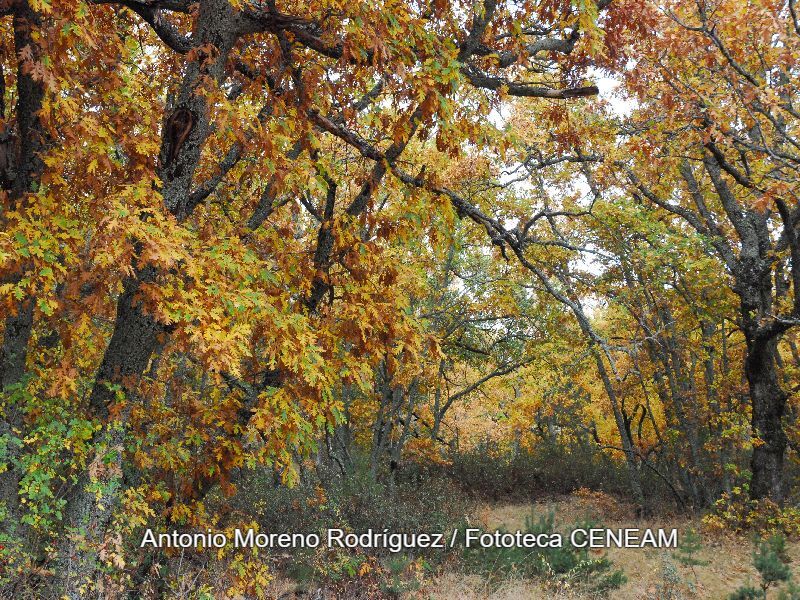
(14, 352)
(135, 339)
(28, 167)
(628, 447)
(78, 573)
(708, 330)
(90, 510)
(12, 369)
(136, 334)
(769, 404)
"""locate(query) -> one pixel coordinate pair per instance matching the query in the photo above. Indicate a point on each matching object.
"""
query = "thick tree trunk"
(12, 369)
(133, 342)
(136, 333)
(77, 569)
(28, 166)
(14, 352)
(768, 405)
(89, 512)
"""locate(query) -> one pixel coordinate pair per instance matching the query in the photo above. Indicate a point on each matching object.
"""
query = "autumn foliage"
(312, 242)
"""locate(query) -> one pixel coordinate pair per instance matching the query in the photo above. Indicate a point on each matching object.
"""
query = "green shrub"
(403, 575)
(410, 504)
(747, 593)
(772, 563)
(689, 546)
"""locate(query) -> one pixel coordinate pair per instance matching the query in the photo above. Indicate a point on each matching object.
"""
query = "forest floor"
(729, 556)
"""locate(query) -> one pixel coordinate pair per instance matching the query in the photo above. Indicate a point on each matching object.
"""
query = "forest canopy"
(309, 242)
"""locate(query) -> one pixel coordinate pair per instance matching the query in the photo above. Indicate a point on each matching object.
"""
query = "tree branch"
(483, 80)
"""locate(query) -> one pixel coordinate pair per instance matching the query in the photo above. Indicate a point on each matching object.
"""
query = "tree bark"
(768, 405)
(27, 167)
(133, 342)
(136, 333)
(14, 351)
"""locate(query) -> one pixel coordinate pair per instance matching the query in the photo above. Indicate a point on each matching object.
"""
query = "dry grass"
(472, 587)
(730, 559)
(730, 556)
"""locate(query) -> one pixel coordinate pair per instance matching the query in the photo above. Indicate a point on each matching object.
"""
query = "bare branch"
(483, 80)
(151, 13)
